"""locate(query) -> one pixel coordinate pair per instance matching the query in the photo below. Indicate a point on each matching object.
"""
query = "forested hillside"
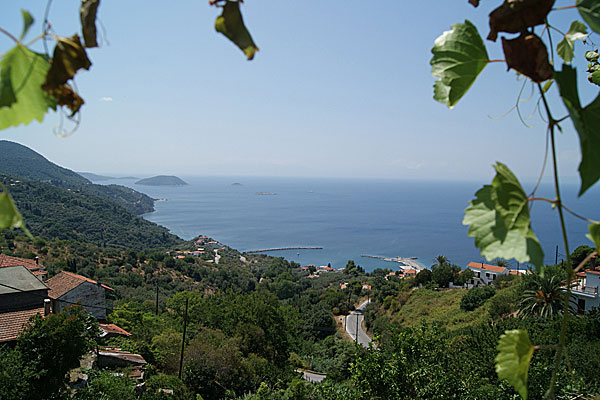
(21, 162)
(53, 212)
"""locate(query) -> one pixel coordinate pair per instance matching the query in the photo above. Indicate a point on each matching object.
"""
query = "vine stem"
(573, 213)
(558, 202)
(8, 34)
(564, 8)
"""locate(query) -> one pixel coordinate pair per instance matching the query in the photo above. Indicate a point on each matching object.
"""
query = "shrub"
(476, 297)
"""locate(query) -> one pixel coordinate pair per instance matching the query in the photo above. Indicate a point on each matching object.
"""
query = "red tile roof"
(10, 261)
(114, 329)
(65, 281)
(12, 323)
(486, 267)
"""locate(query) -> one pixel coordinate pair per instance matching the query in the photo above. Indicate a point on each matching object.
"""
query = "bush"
(476, 297)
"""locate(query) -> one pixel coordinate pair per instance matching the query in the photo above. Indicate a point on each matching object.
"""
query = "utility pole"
(556, 256)
(183, 339)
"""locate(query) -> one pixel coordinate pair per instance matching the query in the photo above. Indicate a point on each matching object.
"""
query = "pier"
(284, 248)
(407, 262)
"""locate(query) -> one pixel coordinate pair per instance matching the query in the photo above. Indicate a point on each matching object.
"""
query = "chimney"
(37, 260)
(46, 307)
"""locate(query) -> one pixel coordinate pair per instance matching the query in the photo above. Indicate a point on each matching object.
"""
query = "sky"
(338, 89)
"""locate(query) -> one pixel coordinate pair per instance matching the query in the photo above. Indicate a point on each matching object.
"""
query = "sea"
(348, 218)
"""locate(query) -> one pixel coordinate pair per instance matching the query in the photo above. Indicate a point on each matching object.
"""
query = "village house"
(486, 274)
(67, 288)
(22, 295)
(585, 290)
(33, 266)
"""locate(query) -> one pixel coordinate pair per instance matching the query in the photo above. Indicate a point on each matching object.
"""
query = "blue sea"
(348, 218)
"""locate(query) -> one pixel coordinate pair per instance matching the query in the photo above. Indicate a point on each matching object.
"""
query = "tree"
(464, 277)
(424, 276)
(48, 348)
(546, 300)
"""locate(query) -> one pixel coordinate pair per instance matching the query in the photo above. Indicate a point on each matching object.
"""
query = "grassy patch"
(443, 306)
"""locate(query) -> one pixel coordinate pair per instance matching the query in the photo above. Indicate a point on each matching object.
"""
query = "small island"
(162, 180)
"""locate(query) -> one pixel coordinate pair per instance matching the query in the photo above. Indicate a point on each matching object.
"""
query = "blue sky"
(338, 89)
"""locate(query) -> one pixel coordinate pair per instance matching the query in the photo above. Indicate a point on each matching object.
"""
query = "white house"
(485, 274)
(585, 290)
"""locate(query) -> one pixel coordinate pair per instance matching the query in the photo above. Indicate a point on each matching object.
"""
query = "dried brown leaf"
(528, 55)
(87, 14)
(515, 16)
(69, 57)
(66, 96)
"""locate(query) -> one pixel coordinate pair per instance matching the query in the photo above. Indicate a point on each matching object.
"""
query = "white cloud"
(106, 99)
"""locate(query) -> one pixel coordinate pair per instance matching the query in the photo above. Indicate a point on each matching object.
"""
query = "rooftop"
(12, 323)
(486, 267)
(65, 281)
(19, 279)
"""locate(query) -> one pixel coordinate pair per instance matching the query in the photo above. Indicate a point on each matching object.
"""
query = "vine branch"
(9, 34)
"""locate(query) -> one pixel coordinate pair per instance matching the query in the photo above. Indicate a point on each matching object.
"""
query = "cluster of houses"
(25, 292)
(319, 270)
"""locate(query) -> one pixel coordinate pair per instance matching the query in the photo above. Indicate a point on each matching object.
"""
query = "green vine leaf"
(595, 78)
(566, 47)
(586, 121)
(87, 15)
(512, 362)
(27, 22)
(594, 234)
(10, 217)
(459, 56)
(499, 220)
(231, 24)
(590, 12)
(24, 72)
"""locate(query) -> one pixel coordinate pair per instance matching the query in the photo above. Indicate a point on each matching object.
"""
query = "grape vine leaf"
(87, 15)
(594, 234)
(231, 24)
(499, 220)
(27, 22)
(586, 121)
(69, 56)
(459, 56)
(10, 217)
(566, 47)
(512, 362)
(25, 71)
(590, 12)
(595, 78)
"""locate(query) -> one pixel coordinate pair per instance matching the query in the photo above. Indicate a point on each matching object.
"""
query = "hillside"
(95, 177)
(22, 162)
(162, 180)
(53, 212)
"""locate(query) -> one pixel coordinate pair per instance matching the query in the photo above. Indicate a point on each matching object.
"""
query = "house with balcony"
(585, 290)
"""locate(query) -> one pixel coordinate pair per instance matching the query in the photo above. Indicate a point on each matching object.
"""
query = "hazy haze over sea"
(345, 217)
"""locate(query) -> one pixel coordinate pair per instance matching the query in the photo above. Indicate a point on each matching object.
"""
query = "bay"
(347, 217)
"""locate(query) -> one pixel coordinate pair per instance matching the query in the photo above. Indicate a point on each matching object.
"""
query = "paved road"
(352, 324)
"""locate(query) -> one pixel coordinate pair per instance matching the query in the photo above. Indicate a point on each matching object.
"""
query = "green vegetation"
(55, 213)
(19, 161)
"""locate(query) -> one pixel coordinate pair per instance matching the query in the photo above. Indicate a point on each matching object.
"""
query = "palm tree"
(442, 260)
(547, 299)
(501, 262)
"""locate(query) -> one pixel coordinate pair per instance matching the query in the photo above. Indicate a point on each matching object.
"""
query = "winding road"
(354, 325)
